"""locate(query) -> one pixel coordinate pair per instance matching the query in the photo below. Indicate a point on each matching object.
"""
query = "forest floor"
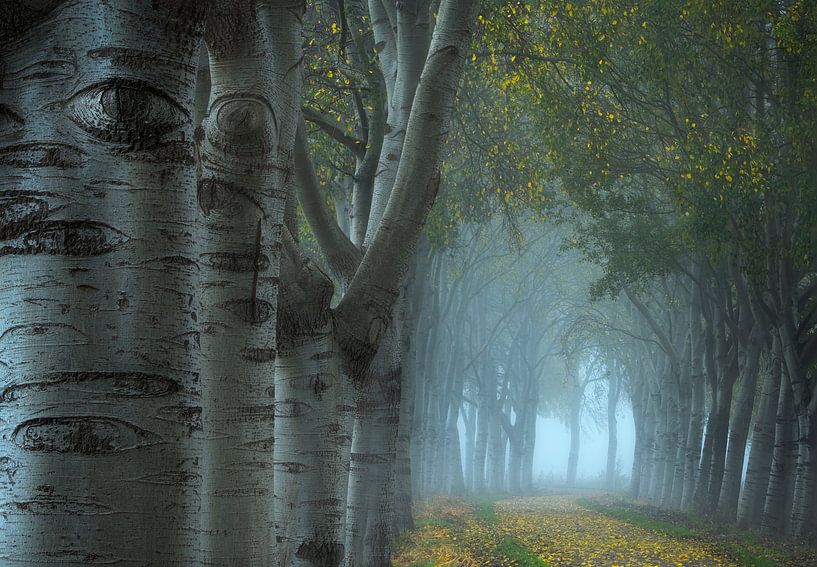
(579, 529)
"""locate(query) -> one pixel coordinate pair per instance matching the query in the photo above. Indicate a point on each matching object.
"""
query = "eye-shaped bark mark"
(53, 332)
(254, 414)
(236, 263)
(291, 408)
(219, 196)
(37, 154)
(290, 467)
(248, 310)
(65, 238)
(17, 214)
(259, 446)
(320, 553)
(258, 354)
(172, 478)
(49, 505)
(85, 435)
(107, 384)
(245, 125)
(257, 491)
(248, 466)
(126, 111)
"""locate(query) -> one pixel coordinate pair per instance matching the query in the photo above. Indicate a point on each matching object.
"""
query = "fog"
(553, 445)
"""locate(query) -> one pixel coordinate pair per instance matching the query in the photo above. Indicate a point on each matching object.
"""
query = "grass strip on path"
(637, 519)
(512, 550)
(743, 547)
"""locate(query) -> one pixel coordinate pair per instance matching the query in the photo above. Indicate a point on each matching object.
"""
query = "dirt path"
(552, 531)
(564, 534)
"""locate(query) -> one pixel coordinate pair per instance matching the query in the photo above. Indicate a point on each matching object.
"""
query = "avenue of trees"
(680, 153)
(270, 272)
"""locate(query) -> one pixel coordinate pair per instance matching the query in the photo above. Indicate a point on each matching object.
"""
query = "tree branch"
(365, 311)
(343, 257)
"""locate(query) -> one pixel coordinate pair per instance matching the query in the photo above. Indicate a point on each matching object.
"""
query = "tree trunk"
(469, 415)
(529, 434)
(575, 440)
(100, 425)
(496, 453)
(733, 471)
(481, 445)
(685, 418)
(638, 402)
(370, 498)
(760, 455)
(670, 449)
(657, 455)
(694, 439)
(805, 483)
(241, 192)
(612, 430)
(775, 506)
(514, 472)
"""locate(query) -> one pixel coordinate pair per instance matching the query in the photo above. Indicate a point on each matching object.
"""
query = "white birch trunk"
(100, 407)
(245, 163)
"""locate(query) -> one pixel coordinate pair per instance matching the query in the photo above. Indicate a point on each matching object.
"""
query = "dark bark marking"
(224, 197)
(250, 311)
(18, 16)
(109, 384)
(41, 329)
(18, 214)
(290, 467)
(189, 340)
(325, 355)
(291, 408)
(137, 59)
(236, 262)
(259, 446)
(321, 553)
(173, 153)
(368, 458)
(50, 505)
(175, 261)
(255, 414)
(11, 122)
(242, 116)
(241, 492)
(189, 416)
(86, 435)
(131, 112)
(9, 467)
(36, 154)
(258, 354)
(172, 478)
(318, 385)
(65, 238)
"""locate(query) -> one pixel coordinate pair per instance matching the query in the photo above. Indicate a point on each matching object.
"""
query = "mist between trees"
(272, 271)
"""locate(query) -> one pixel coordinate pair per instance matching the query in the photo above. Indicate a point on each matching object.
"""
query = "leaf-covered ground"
(567, 531)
